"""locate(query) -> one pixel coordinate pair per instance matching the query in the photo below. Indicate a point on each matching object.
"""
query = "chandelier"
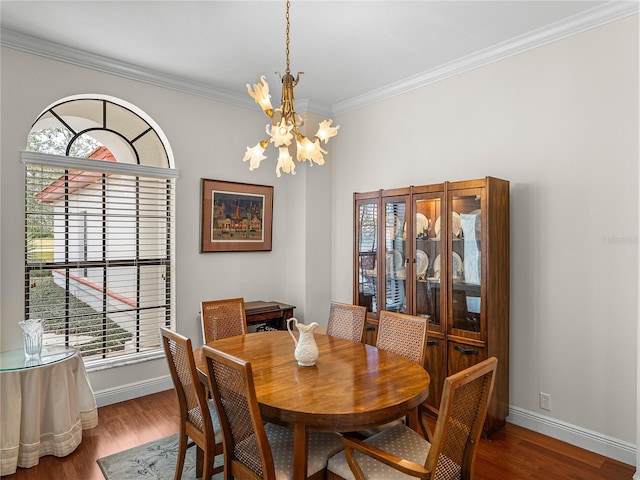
(285, 124)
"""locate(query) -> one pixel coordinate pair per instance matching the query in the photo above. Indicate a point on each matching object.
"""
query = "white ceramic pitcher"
(306, 352)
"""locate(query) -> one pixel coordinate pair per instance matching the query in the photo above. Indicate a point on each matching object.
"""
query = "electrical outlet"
(545, 401)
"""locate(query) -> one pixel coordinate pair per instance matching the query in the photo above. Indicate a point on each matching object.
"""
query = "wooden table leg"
(413, 421)
(299, 452)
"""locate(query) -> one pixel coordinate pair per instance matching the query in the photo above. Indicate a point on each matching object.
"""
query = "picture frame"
(235, 217)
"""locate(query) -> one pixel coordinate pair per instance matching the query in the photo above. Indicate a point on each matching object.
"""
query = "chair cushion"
(321, 447)
(398, 440)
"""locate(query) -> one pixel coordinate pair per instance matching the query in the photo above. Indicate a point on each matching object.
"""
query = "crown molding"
(63, 53)
(589, 19)
(575, 24)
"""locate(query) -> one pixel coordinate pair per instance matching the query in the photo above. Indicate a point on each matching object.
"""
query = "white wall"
(204, 147)
(561, 123)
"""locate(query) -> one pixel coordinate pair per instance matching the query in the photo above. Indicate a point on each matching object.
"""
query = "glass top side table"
(16, 360)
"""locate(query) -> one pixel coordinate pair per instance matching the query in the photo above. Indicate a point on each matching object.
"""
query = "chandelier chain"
(287, 30)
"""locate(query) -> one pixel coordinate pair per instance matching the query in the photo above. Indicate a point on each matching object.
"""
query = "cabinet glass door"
(395, 219)
(367, 248)
(428, 209)
(466, 259)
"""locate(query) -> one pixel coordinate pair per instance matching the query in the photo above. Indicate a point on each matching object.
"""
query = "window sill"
(97, 365)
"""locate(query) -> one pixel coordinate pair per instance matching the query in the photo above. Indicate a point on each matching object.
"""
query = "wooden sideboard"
(275, 314)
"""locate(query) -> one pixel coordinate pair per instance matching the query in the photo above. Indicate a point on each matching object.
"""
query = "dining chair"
(400, 452)
(223, 318)
(347, 321)
(403, 334)
(252, 449)
(198, 419)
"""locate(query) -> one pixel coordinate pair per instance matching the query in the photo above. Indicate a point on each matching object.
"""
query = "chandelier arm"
(300, 137)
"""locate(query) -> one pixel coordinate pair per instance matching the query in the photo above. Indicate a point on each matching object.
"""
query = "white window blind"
(99, 258)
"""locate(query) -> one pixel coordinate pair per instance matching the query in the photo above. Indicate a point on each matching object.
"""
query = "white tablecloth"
(43, 411)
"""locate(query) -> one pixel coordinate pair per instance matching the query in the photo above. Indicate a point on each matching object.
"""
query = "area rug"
(154, 460)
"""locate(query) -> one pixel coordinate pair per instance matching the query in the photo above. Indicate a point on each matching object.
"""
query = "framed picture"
(235, 217)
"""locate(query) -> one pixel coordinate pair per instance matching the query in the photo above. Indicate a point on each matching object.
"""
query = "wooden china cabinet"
(441, 252)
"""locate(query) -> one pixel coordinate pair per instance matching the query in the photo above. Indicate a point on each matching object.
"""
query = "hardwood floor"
(517, 453)
(513, 453)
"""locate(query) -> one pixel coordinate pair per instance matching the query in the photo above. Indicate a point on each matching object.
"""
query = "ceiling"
(352, 52)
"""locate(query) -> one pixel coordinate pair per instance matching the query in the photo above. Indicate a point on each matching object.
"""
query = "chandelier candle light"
(285, 124)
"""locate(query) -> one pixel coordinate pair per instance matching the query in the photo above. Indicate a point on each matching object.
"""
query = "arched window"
(99, 228)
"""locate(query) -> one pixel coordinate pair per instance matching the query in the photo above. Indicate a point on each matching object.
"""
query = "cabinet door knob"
(466, 351)
(432, 343)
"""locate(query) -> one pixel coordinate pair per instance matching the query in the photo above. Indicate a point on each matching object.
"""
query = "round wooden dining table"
(353, 386)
